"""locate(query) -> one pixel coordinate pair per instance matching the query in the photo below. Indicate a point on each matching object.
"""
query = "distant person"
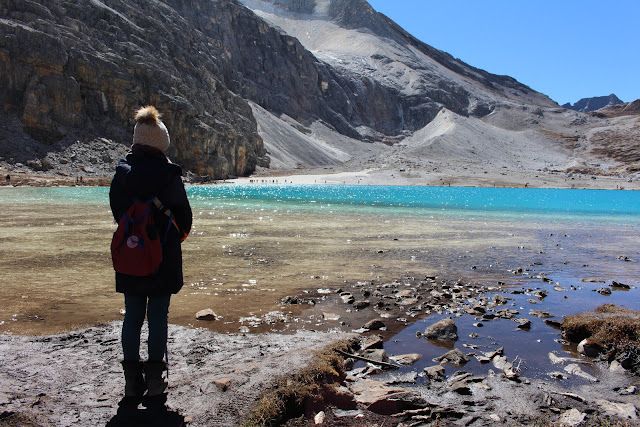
(8, 178)
(146, 173)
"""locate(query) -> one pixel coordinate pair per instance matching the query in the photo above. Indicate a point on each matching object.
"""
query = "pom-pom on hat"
(149, 129)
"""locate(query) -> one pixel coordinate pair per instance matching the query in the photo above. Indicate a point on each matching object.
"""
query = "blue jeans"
(157, 311)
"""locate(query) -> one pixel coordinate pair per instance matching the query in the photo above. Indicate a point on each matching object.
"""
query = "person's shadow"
(145, 417)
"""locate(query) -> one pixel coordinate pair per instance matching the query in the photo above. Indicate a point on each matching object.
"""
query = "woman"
(146, 173)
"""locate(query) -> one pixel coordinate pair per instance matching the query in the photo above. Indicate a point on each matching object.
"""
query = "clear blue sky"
(566, 49)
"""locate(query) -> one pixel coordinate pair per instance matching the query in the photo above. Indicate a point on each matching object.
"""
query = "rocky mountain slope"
(314, 83)
(586, 105)
(73, 71)
(448, 114)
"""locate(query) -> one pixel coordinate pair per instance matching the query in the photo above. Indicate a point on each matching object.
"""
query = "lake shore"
(456, 176)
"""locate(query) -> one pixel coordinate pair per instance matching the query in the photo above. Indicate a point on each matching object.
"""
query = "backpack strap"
(162, 208)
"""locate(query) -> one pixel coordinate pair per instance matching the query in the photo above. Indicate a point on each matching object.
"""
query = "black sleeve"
(119, 199)
(175, 198)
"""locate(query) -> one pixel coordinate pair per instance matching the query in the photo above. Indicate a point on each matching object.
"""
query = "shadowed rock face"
(82, 68)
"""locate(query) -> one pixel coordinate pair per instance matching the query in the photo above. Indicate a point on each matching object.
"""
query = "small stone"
(360, 305)
(436, 373)
(616, 366)
(604, 291)
(319, 418)
(377, 355)
(523, 323)
(373, 341)
(206, 314)
(223, 384)
(407, 359)
(626, 411)
(576, 370)
(479, 309)
(443, 330)
(590, 347)
(541, 314)
(572, 417)
(453, 357)
(347, 298)
(461, 387)
(618, 285)
(330, 316)
(374, 325)
(553, 323)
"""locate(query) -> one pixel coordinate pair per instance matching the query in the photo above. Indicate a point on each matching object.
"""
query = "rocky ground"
(216, 379)
(75, 378)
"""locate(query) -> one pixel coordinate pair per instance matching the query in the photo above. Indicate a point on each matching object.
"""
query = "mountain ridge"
(587, 105)
(339, 82)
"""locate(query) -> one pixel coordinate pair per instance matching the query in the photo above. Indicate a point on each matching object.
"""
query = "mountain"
(264, 83)
(71, 72)
(586, 105)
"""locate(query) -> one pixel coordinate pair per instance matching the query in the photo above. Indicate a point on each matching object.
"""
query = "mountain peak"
(586, 105)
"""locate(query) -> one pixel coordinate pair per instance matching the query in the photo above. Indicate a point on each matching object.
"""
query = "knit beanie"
(150, 130)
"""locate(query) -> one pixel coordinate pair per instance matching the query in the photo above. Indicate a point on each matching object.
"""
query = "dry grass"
(616, 328)
(287, 398)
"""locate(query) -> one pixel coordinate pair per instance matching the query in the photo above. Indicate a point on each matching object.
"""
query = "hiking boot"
(134, 385)
(156, 385)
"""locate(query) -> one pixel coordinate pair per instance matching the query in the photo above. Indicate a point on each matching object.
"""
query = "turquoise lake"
(419, 200)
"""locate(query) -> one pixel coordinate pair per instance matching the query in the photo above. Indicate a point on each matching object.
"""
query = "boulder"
(445, 330)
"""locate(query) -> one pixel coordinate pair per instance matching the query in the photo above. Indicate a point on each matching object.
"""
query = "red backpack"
(136, 247)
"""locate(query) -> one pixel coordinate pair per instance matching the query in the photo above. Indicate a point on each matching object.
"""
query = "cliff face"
(70, 69)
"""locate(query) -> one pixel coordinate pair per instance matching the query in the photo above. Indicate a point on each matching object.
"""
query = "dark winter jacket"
(146, 173)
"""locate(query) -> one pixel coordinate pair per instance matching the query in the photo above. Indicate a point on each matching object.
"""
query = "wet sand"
(240, 262)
